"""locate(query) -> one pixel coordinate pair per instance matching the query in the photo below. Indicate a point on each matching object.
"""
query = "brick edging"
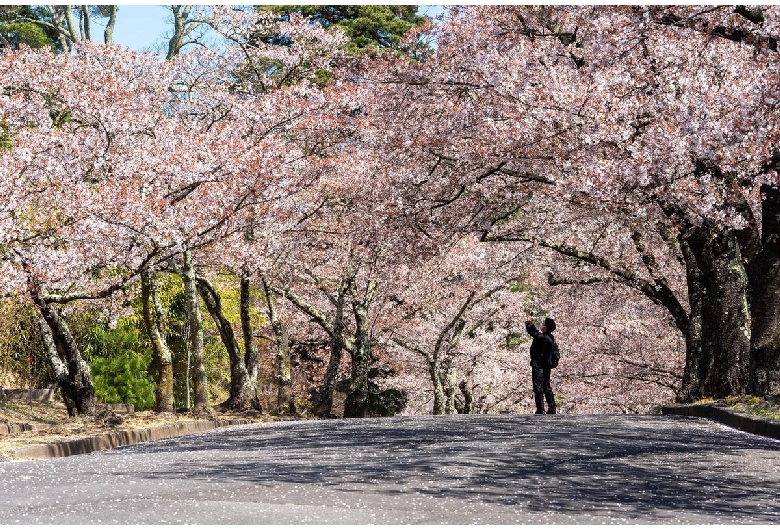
(101, 442)
(721, 414)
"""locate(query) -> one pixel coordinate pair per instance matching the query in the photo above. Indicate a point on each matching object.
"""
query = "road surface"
(414, 470)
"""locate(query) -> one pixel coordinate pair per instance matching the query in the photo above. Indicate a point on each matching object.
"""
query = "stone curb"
(721, 414)
(110, 440)
(15, 428)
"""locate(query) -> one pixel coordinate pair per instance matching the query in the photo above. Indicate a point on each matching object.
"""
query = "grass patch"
(767, 408)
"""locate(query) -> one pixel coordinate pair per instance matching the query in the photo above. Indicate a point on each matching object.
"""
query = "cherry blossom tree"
(116, 174)
(68, 145)
(637, 141)
(279, 118)
(337, 256)
(447, 303)
(624, 157)
(620, 352)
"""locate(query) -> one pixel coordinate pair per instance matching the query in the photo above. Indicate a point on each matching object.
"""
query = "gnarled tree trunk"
(108, 33)
(59, 368)
(439, 399)
(284, 397)
(243, 394)
(719, 335)
(765, 301)
(323, 408)
(357, 403)
(449, 390)
(251, 355)
(78, 392)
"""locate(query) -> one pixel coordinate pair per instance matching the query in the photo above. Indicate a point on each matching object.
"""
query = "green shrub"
(124, 378)
(120, 361)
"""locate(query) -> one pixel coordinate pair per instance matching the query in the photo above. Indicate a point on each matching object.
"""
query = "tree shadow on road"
(567, 464)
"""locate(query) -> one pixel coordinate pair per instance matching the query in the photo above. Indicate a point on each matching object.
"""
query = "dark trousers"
(542, 389)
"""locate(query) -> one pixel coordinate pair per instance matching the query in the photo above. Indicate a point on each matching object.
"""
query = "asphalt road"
(424, 470)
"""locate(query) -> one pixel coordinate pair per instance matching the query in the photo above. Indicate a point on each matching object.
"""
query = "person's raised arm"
(530, 328)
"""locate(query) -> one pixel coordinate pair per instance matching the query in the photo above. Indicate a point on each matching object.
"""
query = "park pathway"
(418, 470)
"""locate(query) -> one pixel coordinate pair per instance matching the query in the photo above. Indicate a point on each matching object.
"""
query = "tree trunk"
(765, 301)
(80, 398)
(357, 402)
(251, 355)
(161, 353)
(200, 381)
(718, 336)
(108, 34)
(285, 403)
(449, 393)
(468, 398)
(323, 408)
(72, 26)
(438, 388)
(181, 22)
(59, 368)
(243, 395)
(284, 397)
(440, 362)
(86, 26)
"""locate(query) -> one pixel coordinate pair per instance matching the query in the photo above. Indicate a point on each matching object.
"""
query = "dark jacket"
(540, 346)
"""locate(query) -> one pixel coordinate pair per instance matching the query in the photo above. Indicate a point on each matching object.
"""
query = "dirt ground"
(50, 422)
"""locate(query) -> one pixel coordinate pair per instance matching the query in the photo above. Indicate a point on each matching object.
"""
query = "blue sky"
(143, 27)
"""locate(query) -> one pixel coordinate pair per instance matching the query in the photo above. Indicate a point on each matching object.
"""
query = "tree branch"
(658, 291)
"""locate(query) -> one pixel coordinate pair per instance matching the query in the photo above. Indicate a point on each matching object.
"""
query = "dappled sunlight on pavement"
(457, 469)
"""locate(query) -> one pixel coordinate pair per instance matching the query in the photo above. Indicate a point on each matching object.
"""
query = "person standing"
(541, 345)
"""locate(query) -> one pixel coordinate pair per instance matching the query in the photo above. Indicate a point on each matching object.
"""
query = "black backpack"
(553, 354)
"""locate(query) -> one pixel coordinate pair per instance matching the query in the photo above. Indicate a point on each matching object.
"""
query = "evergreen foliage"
(369, 27)
(120, 361)
(17, 27)
(124, 378)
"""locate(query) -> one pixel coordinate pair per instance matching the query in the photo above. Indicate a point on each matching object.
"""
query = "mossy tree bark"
(162, 358)
(195, 340)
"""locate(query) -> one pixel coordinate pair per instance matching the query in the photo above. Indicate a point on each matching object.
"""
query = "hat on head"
(550, 324)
